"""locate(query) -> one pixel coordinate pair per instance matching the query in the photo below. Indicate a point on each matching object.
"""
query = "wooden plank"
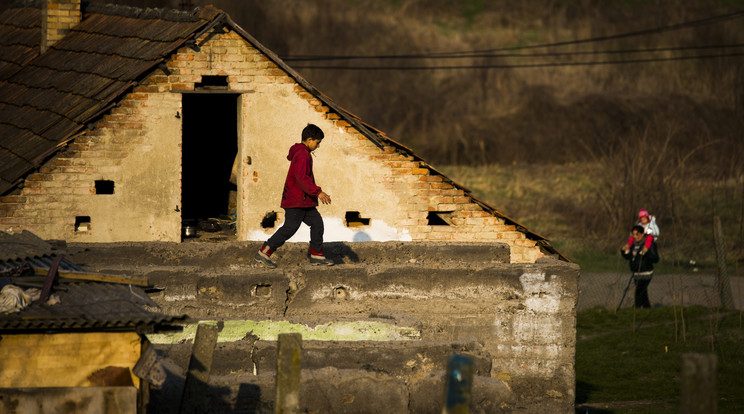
(194, 398)
(97, 277)
(288, 364)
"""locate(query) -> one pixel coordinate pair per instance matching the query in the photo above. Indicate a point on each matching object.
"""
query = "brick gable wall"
(137, 146)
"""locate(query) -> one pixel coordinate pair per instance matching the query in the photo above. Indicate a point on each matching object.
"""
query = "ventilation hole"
(269, 220)
(212, 82)
(439, 218)
(354, 219)
(340, 292)
(82, 224)
(263, 290)
(104, 187)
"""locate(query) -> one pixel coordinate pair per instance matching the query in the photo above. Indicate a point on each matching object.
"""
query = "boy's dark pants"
(293, 217)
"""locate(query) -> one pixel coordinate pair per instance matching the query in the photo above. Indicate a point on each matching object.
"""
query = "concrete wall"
(137, 146)
(517, 319)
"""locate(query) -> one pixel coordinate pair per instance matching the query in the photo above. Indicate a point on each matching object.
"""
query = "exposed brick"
(454, 192)
(182, 87)
(39, 177)
(13, 199)
(443, 200)
(441, 185)
(511, 235)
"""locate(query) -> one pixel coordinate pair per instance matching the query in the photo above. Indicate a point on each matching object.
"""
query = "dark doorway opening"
(210, 144)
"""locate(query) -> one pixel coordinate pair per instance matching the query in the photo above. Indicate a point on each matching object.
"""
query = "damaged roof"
(45, 100)
(80, 305)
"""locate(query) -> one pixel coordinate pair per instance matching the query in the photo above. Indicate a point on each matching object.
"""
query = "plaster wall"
(137, 148)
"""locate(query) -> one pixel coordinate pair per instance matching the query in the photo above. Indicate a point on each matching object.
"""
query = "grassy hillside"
(569, 204)
(571, 149)
(559, 109)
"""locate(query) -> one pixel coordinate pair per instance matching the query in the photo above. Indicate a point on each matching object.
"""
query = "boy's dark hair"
(638, 228)
(312, 131)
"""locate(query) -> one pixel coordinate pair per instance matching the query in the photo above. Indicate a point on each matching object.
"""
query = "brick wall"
(57, 18)
(137, 146)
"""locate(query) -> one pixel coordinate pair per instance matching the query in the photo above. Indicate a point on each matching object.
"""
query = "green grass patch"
(629, 361)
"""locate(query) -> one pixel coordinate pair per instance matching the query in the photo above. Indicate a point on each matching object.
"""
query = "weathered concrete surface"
(521, 316)
(79, 400)
(401, 358)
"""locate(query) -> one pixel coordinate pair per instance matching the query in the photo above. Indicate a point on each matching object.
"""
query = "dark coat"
(641, 262)
(299, 187)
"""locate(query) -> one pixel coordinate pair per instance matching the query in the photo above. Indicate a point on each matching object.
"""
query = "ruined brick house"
(117, 124)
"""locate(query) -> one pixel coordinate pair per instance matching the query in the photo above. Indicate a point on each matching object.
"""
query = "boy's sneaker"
(263, 258)
(319, 259)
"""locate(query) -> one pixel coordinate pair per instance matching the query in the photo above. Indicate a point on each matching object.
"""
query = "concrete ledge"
(140, 255)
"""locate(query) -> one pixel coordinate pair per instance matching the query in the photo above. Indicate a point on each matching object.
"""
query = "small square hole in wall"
(82, 224)
(212, 82)
(262, 290)
(104, 187)
(439, 218)
(269, 220)
(354, 219)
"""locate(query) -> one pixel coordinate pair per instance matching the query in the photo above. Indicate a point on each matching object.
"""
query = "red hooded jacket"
(299, 188)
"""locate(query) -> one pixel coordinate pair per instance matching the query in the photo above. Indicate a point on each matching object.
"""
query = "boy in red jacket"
(299, 199)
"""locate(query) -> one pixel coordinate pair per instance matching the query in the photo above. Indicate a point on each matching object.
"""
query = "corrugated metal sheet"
(82, 305)
(59, 92)
(27, 247)
(90, 306)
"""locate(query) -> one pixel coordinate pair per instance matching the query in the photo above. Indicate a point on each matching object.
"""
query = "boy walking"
(299, 201)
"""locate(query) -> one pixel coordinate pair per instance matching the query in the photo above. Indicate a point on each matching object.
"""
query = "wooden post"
(193, 399)
(458, 384)
(288, 364)
(698, 384)
(722, 280)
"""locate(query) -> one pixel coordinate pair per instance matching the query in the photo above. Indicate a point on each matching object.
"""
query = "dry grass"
(563, 203)
(552, 114)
